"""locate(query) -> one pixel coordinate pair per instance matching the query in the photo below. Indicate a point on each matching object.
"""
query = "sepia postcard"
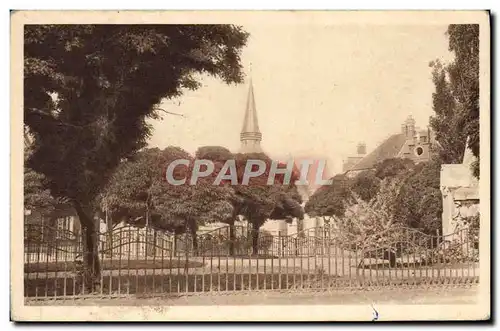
(250, 165)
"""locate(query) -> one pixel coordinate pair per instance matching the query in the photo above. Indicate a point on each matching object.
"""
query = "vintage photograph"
(272, 160)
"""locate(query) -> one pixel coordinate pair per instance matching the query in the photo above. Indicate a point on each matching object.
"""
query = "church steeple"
(250, 135)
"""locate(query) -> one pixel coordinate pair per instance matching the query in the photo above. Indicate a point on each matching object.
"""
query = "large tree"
(419, 202)
(393, 167)
(366, 185)
(456, 96)
(89, 89)
(329, 200)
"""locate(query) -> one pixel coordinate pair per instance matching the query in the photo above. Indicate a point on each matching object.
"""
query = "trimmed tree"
(328, 200)
(257, 201)
(191, 203)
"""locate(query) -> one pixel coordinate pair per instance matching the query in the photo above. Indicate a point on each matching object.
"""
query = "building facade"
(460, 191)
(411, 142)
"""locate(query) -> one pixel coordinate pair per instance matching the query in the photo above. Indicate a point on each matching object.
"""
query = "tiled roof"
(390, 148)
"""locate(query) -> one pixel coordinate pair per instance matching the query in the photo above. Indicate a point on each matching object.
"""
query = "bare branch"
(169, 112)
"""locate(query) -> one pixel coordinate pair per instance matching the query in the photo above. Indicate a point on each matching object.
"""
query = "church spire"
(250, 136)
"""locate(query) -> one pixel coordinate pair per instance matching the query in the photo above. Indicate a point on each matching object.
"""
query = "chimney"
(361, 149)
(410, 124)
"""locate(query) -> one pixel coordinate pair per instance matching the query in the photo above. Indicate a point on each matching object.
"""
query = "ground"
(442, 295)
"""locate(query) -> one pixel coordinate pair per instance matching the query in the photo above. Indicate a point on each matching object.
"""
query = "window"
(419, 151)
(423, 139)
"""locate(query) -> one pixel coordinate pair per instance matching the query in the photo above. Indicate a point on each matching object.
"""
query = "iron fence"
(148, 262)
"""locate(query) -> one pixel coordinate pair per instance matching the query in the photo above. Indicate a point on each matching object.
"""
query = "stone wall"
(460, 190)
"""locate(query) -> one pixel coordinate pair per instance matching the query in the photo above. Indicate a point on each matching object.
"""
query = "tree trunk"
(109, 230)
(91, 263)
(255, 238)
(52, 235)
(195, 240)
(155, 239)
(232, 238)
(300, 227)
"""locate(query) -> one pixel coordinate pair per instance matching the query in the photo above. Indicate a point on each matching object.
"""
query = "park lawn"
(113, 265)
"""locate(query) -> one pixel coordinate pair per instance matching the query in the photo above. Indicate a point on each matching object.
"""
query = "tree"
(393, 167)
(36, 197)
(328, 200)
(366, 185)
(219, 156)
(448, 123)
(456, 99)
(90, 88)
(371, 226)
(139, 194)
(419, 203)
(192, 205)
(257, 201)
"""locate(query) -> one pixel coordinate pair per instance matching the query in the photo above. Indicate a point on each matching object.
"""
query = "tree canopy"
(393, 167)
(88, 95)
(366, 185)
(89, 89)
(256, 200)
(328, 200)
(419, 203)
(456, 96)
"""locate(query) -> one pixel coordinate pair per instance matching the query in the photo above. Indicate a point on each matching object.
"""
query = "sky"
(319, 91)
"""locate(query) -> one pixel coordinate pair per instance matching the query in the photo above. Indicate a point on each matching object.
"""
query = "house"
(411, 143)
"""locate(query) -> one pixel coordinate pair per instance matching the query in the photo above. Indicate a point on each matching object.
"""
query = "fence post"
(296, 246)
(440, 258)
(279, 244)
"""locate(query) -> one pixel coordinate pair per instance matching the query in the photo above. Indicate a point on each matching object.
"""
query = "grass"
(112, 265)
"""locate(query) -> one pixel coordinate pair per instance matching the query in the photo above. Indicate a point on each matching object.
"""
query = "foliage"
(369, 225)
(241, 243)
(138, 190)
(256, 201)
(127, 195)
(393, 167)
(463, 246)
(419, 203)
(328, 200)
(456, 98)
(36, 196)
(107, 80)
(366, 185)
(448, 123)
(88, 96)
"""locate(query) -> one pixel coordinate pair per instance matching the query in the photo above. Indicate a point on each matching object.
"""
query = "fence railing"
(148, 262)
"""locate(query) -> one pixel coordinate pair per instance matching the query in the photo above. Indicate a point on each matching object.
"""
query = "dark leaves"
(90, 88)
